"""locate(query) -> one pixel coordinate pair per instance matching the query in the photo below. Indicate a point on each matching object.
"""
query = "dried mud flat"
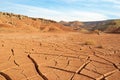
(59, 56)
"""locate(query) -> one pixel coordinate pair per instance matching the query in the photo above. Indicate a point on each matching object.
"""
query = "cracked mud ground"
(59, 56)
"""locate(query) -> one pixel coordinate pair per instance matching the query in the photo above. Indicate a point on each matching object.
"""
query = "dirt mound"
(18, 23)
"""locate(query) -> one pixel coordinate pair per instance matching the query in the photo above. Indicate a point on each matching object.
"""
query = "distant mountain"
(112, 26)
(91, 25)
(10, 22)
(76, 25)
(108, 26)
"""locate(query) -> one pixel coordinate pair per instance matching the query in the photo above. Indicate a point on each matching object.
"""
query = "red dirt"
(59, 56)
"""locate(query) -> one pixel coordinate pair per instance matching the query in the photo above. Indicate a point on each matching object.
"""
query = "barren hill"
(105, 26)
(10, 22)
(76, 25)
(108, 26)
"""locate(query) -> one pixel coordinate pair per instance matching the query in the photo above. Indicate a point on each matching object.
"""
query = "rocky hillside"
(108, 26)
(91, 25)
(76, 25)
(10, 22)
(105, 26)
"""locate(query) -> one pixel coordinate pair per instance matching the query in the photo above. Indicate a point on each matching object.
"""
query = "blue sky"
(67, 10)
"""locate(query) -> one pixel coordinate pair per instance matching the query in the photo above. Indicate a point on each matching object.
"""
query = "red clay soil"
(59, 56)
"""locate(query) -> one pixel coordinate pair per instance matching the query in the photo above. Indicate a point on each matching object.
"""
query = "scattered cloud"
(68, 10)
(92, 1)
(55, 14)
(113, 1)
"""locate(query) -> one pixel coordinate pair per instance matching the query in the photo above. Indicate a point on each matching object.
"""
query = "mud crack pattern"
(46, 56)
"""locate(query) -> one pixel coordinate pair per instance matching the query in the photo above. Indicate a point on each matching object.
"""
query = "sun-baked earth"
(59, 56)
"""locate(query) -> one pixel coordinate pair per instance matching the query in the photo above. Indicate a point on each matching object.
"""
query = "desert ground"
(59, 56)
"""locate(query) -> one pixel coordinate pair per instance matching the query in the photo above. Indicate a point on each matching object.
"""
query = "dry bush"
(19, 17)
(84, 31)
(34, 19)
(97, 32)
(42, 28)
(89, 42)
(100, 46)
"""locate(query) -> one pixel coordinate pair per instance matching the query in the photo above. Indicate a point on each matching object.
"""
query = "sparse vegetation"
(84, 30)
(51, 29)
(89, 42)
(20, 17)
(42, 28)
(10, 23)
(97, 32)
(34, 19)
(107, 26)
(100, 46)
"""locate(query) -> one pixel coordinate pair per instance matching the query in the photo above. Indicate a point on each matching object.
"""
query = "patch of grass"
(97, 32)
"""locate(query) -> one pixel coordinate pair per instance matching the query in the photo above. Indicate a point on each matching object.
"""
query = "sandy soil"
(59, 56)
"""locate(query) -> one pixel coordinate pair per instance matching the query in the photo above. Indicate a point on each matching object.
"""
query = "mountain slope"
(10, 22)
(109, 26)
(76, 25)
(112, 26)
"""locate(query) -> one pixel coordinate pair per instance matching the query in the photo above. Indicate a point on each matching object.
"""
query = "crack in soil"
(56, 55)
(24, 75)
(103, 77)
(12, 52)
(109, 62)
(70, 72)
(82, 67)
(7, 77)
(37, 68)
(16, 63)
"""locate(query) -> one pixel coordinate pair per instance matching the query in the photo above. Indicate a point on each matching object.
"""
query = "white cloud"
(32, 9)
(94, 1)
(89, 16)
(113, 13)
(68, 1)
(116, 6)
(55, 14)
(113, 1)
